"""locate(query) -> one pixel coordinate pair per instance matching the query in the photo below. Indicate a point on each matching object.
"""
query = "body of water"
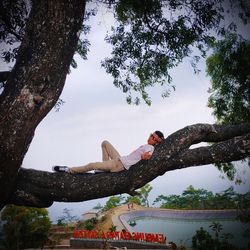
(181, 227)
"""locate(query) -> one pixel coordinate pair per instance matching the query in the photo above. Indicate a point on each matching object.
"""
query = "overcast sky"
(95, 110)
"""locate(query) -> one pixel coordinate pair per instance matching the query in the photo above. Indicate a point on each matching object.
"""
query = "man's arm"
(146, 155)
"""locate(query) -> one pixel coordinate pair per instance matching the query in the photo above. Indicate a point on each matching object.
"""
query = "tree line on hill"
(191, 198)
(25, 227)
(149, 38)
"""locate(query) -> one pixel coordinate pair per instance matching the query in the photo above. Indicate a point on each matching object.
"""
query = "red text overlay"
(94, 234)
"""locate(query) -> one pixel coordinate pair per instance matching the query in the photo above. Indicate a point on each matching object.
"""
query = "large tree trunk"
(40, 189)
(36, 80)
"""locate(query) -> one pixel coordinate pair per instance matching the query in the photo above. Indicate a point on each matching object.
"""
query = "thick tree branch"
(186, 137)
(39, 188)
(231, 150)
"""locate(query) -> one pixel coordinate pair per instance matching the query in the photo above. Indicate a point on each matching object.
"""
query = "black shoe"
(60, 169)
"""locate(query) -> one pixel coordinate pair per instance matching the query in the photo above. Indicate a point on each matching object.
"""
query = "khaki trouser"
(110, 163)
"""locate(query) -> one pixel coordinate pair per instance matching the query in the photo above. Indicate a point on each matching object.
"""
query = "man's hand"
(146, 155)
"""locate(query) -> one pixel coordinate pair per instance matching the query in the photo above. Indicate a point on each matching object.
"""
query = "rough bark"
(36, 81)
(40, 188)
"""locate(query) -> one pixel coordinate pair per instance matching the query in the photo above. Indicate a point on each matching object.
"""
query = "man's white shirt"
(136, 155)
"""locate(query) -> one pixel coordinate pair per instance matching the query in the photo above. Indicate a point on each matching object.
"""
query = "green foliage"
(154, 36)
(142, 197)
(243, 203)
(13, 17)
(113, 228)
(89, 224)
(25, 227)
(196, 196)
(228, 68)
(112, 202)
(202, 240)
(60, 222)
(133, 199)
(193, 198)
(151, 37)
(83, 44)
(229, 170)
(144, 193)
(216, 227)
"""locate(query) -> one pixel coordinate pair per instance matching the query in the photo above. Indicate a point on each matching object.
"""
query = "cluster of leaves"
(112, 202)
(156, 35)
(13, 18)
(192, 198)
(228, 68)
(202, 240)
(140, 199)
(87, 224)
(83, 44)
(151, 37)
(24, 227)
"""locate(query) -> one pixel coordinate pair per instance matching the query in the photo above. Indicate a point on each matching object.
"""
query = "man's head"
(155, 138)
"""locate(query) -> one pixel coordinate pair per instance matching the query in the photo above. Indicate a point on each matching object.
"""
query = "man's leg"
(108, 151)
(107, 166)
(110, 157)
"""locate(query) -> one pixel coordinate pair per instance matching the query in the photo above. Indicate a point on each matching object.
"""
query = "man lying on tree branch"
(111, 159)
